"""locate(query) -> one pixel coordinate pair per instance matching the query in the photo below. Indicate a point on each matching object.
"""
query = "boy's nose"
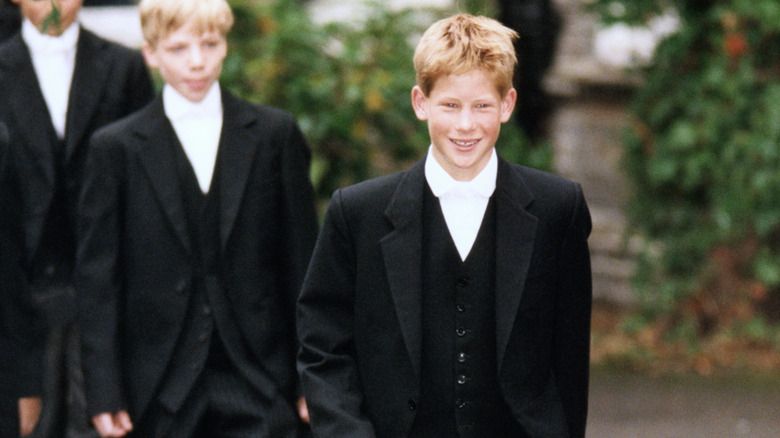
(465, 120)
(196, 56)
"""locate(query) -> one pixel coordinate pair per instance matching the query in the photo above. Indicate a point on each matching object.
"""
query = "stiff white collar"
(178, 107)
(441, 182)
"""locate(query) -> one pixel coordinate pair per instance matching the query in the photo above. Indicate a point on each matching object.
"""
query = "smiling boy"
(196, 224)
(451, 299)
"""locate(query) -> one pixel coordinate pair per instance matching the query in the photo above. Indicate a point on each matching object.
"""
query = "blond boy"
(196, 225)
(451, 299)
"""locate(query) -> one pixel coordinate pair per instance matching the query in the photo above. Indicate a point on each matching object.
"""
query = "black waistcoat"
(52, 263)
(459, 394)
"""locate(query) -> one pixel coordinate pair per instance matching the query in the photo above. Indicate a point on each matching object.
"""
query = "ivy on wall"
(703, 157)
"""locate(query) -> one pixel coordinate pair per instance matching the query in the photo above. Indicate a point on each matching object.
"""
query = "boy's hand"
(112, 425)
(303, 410)
(29, 412)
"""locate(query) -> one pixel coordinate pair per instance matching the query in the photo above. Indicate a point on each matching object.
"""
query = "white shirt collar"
(484, 184)
(42, 43)
(178, 107)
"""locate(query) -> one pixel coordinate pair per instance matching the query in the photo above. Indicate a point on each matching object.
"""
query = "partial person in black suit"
(58, 84)
(451, 299)
(196, 224)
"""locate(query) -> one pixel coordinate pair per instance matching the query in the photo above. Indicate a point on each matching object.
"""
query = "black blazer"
(19, 359)
(134, 269)
(360, 308)
(109, 82)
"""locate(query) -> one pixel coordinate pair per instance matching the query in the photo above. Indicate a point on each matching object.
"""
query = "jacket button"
(460, 403)
(412, 405)
(460, 332)
(461, 357)
(181, 286)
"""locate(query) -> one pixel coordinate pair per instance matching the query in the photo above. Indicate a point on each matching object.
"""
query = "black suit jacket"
(360, 307)
(134, 268)
(18, 356)
(109, 82)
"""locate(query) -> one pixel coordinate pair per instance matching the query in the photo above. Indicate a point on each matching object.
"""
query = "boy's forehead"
(447, 80)
(191, 30)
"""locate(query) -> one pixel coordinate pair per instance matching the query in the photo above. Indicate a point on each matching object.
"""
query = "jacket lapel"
(28, 107)
(515, 234)
(402, 251)
(90, 76)
(235, 157)
(155, 150)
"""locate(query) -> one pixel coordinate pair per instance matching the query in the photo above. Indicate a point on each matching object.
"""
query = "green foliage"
(349, 85)
(704, 159)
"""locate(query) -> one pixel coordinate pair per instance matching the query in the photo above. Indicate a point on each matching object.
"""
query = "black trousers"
(64, 411)
(222, 405)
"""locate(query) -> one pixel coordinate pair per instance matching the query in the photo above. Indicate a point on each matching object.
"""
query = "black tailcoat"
(134, 266)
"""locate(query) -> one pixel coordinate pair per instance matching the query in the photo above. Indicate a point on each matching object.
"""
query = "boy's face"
(38, 10)
(189, 60)
(464, 114)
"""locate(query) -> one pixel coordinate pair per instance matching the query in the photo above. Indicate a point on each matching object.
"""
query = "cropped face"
(189, 60)
(38, 10)
(464, 115)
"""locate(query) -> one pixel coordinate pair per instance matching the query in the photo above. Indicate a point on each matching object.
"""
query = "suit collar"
(515, 235)
(91, 75)
(154, 136)
(402, 250)
(238, 146)
(27, 105)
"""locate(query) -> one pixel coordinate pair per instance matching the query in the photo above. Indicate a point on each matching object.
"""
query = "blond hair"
(463, 43)
(159, 18)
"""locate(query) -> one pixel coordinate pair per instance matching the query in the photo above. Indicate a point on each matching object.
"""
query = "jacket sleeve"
(325, 322)
(572, 331)
(98, 276)
(300, 219)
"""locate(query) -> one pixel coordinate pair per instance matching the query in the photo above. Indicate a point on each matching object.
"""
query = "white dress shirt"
(54, 59)
(198, 126)
(463, 203)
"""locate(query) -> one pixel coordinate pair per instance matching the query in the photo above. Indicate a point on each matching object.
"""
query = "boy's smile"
(464, 114)
(189, 60)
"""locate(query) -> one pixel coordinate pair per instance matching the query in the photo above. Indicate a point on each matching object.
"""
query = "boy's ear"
(508, 105)
(418, 103)
(150, 55)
